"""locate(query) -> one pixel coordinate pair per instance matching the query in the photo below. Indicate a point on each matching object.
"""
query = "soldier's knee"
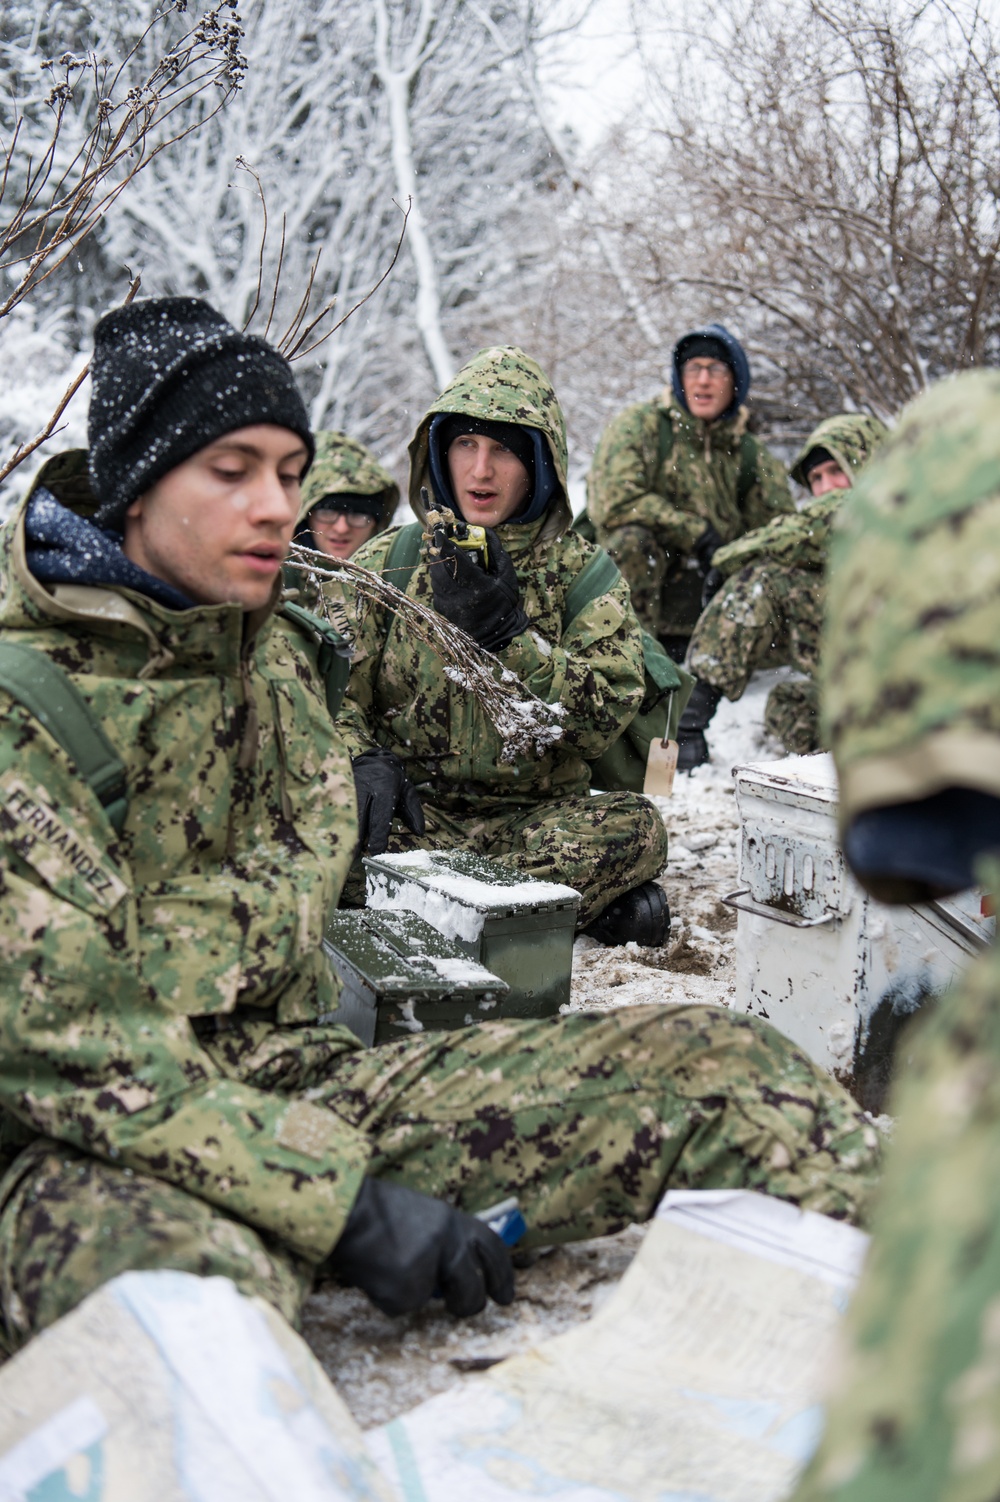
(72, 1223)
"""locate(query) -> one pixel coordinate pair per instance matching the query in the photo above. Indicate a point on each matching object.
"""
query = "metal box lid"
(459, 893)
(396, 955)
(808, 782)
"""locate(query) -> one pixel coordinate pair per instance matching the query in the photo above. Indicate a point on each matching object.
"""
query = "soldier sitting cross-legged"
(173, 1093)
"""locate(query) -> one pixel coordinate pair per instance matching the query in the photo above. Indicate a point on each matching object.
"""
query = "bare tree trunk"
(397, 82)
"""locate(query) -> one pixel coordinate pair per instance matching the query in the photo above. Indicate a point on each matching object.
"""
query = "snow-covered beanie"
(717, 343)
(528, 444)
(169, 376)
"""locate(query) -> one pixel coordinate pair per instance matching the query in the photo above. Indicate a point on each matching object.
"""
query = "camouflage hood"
(345, 467)
(911, 667)
(851, 438)
(502, 385)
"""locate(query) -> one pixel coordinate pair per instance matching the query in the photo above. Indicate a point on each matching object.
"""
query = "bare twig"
(526, 725)
(25, 450)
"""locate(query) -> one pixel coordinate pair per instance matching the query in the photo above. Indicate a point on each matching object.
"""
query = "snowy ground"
(383, 1366)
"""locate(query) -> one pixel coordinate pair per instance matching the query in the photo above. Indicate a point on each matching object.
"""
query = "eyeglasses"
(326, 520)
(714, 369)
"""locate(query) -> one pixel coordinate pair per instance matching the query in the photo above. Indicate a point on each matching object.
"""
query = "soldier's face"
(489, 482)
(708, 387)
(218, 527)
(339, 533)
(827, 476)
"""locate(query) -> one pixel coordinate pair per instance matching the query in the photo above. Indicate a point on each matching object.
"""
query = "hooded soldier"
(492, 449)
(676, 477)
(347, 497)
(765, 597)
(911, 702)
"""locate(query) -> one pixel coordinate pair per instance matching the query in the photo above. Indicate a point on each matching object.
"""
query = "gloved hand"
(400, 1246)
(485, 603)
(706, 546)
(710, 585)
(383, 790)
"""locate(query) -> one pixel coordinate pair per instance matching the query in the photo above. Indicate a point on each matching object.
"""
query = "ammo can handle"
(763, 910)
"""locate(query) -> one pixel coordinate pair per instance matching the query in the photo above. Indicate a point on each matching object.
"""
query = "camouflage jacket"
(210, 905)
(802, 539)
(911, 673)
(696, 483)
(399, 696)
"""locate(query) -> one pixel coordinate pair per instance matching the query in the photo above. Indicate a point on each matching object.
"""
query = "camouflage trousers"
(765, 615)
(588, 1119)
(602, 844)
(665, 590)
(915, 1416)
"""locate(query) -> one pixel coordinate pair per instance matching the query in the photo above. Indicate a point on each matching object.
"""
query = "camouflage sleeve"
(595, 671)
(91, 1055)
(769, 495)
(369, 627)
(799, 540)
(621, 483)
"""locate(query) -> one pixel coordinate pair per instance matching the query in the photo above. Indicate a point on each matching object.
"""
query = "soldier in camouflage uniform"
(538, 814)
(174, 1089)
(347, 497)
(769, 610)
(911, 701)
(676, 477)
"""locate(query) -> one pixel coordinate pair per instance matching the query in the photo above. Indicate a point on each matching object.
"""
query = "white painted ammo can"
(832, 969)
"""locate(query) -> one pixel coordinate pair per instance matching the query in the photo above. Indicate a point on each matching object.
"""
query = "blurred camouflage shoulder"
(911, 663)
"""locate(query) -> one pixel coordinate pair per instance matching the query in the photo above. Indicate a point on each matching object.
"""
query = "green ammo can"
(520, 929)
(399, 975)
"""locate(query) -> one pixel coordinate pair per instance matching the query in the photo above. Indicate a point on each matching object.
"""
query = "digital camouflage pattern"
(851, 438)
(767, 615)
(911, 679)
(343, 466)
(501, 384)
(587, 1119)
(911, 683)
(399, 696)
(649, 511)
(769, 612)
(802, 539)
(240, 830)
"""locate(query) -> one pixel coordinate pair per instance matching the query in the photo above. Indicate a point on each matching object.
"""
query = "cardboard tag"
(661, 764)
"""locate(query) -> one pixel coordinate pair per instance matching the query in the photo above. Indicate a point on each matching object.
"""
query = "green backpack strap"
(747, 477)
(334, 652)
(599, 574)
(665, 438)
(48, 693)
(401, 561)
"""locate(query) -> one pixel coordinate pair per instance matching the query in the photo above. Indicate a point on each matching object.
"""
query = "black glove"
(706, 546)
(401, 1247)
(383, 790)
(485, 603)
(711, 584)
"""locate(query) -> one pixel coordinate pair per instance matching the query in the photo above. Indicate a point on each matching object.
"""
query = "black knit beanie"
(510, 434)
(169, 375)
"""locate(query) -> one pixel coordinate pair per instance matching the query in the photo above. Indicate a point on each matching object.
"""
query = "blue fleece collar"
(546, 479)
(738, 361)
(64, 548)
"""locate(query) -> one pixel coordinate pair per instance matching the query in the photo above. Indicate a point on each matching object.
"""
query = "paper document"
(697, 1382)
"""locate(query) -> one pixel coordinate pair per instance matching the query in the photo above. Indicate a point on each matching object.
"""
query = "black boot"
(692, 747)
(641, 915)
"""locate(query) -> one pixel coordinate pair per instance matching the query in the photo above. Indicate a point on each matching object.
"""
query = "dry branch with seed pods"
(526, 725)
